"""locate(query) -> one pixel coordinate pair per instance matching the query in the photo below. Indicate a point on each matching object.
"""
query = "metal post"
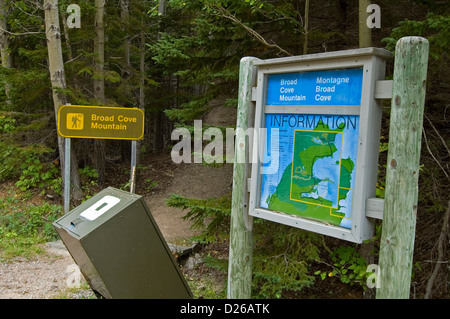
(133, 166)
(66, 175)
(241, 228)
(402, 175)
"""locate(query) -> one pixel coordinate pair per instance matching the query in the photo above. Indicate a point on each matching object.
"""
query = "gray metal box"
(119, 248)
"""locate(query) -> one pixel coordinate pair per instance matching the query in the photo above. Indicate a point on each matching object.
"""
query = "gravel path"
(44, 277)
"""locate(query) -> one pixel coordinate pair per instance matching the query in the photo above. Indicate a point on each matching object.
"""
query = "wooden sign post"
(402, 175)
(241, 229)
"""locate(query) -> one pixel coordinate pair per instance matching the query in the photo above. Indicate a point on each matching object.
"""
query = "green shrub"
(28, 219)
(22, 226)
(7, 124)
(41, 175)
(26, 164)
(10, 159)
(347, 265)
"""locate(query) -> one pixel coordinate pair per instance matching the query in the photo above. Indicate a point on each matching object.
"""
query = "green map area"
(318, 178)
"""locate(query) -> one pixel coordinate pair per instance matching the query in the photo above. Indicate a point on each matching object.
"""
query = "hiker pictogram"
(75, 121)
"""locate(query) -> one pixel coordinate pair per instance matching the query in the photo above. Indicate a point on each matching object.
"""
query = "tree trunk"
(306, 28)
(141, 83)
(4, 45)
(342, 7)
(162, 7)
(99, 84)
(99, 51)
(66, 35)
(127, 70)
(157, 116)
(125, 17)
(365, 33)
(58, 80)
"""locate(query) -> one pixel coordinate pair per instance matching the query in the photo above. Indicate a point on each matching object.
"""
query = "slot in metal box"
(119, 248)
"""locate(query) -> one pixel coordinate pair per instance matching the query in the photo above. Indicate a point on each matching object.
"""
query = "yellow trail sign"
(101, 122)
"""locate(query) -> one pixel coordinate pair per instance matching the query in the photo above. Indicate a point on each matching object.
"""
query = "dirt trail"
(193, 181)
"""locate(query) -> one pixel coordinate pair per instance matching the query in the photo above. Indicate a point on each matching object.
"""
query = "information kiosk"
(315, 158)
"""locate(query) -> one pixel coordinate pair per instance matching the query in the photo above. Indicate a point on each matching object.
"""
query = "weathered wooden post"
(400, 203)
(241, 228)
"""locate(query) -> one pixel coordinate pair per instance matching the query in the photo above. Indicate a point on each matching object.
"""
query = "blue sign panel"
(335, 87)
(309, 166)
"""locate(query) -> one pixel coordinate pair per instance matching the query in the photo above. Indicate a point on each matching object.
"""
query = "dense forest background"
(177, 60)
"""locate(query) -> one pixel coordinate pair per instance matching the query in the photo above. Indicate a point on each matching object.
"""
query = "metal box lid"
(95, 211)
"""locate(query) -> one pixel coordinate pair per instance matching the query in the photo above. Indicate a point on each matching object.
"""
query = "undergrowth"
(28, 161)
(23, 226)
(282, 254)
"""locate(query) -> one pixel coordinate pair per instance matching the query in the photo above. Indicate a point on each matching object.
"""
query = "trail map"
(309, 166)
